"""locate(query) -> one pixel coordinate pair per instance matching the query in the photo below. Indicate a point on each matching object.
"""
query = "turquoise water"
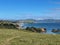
(48, 26)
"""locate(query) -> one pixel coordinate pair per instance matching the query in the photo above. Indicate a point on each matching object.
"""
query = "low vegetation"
(23, 37)
(8, 24)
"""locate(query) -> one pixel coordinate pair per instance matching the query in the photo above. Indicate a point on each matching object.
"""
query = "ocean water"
(48, 26)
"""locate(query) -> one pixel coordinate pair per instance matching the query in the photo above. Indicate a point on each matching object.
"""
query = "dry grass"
(19, 37)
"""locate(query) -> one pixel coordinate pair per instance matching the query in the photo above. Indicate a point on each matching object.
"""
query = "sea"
(48, 26)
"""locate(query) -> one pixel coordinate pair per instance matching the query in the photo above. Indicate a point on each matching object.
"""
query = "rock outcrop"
(55, 30)
(33, 29)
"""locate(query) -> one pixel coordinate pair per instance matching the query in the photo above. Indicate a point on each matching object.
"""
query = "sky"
(29, 9)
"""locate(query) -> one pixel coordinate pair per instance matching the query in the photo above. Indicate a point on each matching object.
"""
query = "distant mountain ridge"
(48, 21)
(26, 21)
(33, 21)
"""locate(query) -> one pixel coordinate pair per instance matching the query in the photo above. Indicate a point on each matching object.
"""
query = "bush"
(8, 25)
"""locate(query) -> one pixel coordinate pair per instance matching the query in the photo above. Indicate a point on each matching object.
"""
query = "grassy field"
(19, 37)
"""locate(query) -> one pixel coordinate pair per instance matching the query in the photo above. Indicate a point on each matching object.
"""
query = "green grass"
(19, 37)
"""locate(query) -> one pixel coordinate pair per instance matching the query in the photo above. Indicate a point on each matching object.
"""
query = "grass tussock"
(19, 37)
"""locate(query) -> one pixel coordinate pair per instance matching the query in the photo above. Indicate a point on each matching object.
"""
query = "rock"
(41, 30)
(33, 29)
(55, 30)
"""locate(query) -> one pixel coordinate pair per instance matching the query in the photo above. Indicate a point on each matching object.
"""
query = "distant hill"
(26, 21)
(48, 21)
(32, 21)
(39, 21)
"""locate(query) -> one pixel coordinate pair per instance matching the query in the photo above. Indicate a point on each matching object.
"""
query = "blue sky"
(29, 9)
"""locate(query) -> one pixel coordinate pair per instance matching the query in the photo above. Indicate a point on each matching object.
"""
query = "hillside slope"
(19, 37)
